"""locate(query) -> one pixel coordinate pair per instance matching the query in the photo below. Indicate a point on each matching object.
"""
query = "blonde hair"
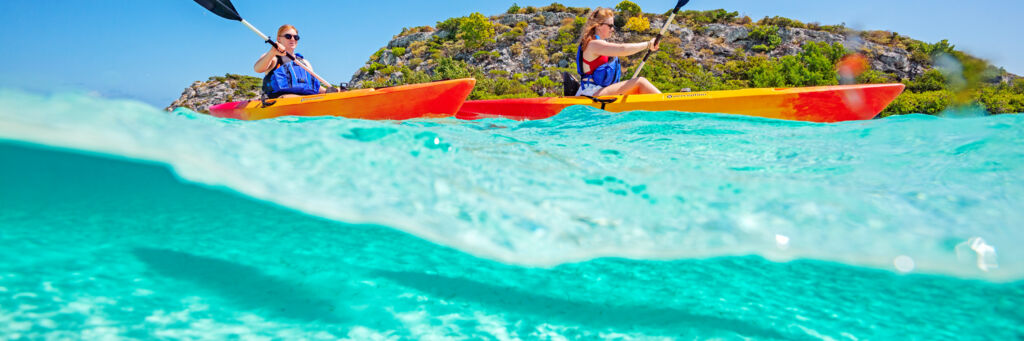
(595, 19)
(280, 31)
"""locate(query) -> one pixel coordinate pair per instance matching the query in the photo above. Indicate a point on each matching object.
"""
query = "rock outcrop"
(201, 95)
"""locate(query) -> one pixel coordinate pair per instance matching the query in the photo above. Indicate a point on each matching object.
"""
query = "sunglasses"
(290, 36)
(611, 26)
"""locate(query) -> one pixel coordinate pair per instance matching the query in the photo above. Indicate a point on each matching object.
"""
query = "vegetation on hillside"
(474, 40)
(244, 86)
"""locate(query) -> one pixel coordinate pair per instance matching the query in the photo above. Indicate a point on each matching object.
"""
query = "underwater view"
(122, 221)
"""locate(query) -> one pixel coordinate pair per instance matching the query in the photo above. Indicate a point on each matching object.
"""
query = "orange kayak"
(435, 99)
(815, 104)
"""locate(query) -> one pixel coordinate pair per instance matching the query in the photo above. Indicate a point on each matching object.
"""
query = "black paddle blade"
(679, 5)
(223, 8)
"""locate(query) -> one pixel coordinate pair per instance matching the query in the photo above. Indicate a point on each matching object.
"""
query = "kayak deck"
(815, 104)
(435, 99)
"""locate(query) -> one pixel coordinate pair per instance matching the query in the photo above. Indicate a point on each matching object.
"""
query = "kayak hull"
(815, 104)
(435, 99)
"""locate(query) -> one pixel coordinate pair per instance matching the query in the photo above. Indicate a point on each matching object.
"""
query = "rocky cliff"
(711, 44)
(216, 90)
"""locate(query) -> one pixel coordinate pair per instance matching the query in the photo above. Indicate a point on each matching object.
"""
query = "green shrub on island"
(410, 30)
(545, 86)
(539, 19)
(538, 51)
(840, 29)
(500, 87)
(475, 30)
(448, 68)
(767, 36)
(930, 102)
(638, 24)
(516, 32)
(376, 55)
(579, 11)
(718, 16)
(374, 67)
(500, 28)
(628, 9)
(514, 9)
(814, 66)
(486, 55)
(780, 22)
(931, 80)
(554, 7)
(568, 33)
(875, 77)
(1004, 98)
(418, 48)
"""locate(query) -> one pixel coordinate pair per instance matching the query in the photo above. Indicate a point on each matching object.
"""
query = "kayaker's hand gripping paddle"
(226, 10)
(657, 39)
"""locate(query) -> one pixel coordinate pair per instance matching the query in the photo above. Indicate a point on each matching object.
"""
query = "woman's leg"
(630, 87)
(647, 88)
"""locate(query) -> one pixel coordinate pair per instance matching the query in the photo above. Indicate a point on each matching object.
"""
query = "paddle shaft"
(656, 41)
(290, 55)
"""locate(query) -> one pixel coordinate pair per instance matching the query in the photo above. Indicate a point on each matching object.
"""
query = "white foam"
(904, 263)
(142, 292)
(25, 295)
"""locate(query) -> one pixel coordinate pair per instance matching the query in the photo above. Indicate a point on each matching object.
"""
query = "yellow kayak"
(816, 104)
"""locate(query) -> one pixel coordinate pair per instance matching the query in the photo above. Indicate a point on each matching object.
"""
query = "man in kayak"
(597, 60)
(283, 77)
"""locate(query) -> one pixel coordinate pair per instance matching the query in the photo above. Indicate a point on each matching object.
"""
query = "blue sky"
(151, 50)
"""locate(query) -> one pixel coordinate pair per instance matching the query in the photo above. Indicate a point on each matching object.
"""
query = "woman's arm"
(603, 48)
(268, 60)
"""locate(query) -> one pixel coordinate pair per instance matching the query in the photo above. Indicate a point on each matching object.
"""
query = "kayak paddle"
(226, 10)
(657, 39)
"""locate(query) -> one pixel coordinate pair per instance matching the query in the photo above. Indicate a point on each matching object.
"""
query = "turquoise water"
(119, 220)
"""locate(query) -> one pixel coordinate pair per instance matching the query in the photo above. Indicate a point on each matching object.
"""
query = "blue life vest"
(607, 74)
(289, 78)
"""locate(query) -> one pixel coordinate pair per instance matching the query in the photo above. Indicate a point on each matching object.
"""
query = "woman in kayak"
(283, 77)
(597, 60)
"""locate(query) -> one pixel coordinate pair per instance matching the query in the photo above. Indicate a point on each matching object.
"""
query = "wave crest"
(587, 183)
